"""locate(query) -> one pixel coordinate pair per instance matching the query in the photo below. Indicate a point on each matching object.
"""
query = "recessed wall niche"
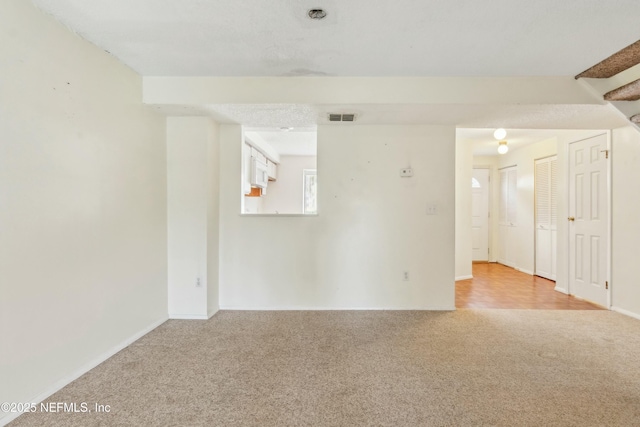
(279, 171)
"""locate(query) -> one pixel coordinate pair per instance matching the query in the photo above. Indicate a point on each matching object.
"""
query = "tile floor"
(497, 286)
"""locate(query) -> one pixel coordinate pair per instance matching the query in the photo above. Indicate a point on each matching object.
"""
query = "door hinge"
(606, 285)
(606, 153)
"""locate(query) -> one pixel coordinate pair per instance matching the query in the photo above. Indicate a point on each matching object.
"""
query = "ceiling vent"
(334, 117)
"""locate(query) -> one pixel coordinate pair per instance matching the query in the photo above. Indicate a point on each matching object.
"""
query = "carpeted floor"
(345, 368)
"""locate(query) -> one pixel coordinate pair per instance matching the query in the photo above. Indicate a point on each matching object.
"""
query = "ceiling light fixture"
(317, 13)
(499, 134)
(502, 147)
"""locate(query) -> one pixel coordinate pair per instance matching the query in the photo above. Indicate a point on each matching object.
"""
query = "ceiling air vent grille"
(334, 117)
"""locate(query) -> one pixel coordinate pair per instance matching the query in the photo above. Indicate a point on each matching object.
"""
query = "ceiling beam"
(366, 90)
(616, 63)
(628, 92)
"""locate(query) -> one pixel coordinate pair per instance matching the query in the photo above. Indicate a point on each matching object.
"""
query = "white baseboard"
(290, 308)
(522, 270)
(626, 312)
(469, 276)
(58, 385)
(562, 290)
(180, 316)
(189, 316)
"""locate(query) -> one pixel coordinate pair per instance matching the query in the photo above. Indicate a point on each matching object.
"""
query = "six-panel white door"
(588, 219)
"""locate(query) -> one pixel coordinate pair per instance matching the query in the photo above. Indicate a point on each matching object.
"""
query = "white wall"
(82, 206)
(625, 291)
(524, 158)
(285, 195)
(192, 186)
(372, 225)
(463, 239)
(213, 218)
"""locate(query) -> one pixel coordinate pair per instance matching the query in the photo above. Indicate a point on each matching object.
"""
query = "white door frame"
(609, 216)
(570, 291)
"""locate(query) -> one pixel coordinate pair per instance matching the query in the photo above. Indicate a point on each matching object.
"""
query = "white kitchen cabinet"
(272, 170)
(258, 155)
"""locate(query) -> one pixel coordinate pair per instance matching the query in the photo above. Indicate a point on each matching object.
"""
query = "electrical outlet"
(406, 172)
(432, 208)
(198, 283)
(405, 276)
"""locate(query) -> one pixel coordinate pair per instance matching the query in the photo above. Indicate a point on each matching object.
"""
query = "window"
(310, 196)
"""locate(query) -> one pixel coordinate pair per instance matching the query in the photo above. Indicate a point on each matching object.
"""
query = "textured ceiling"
(357, 38)
(364, 38)
(294, 142)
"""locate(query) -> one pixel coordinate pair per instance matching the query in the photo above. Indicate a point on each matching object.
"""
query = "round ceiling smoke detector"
(317, 13)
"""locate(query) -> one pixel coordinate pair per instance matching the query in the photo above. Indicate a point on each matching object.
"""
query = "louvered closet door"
(546, 216)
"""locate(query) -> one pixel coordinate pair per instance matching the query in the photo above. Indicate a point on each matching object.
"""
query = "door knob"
(571, 218)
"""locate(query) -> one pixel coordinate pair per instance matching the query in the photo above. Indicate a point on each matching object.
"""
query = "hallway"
(496, 286)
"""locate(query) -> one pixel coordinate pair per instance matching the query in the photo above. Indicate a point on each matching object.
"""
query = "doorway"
(480, 214)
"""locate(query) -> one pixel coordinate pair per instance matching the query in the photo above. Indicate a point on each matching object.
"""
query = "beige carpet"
(628, 92)
(464, 368)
